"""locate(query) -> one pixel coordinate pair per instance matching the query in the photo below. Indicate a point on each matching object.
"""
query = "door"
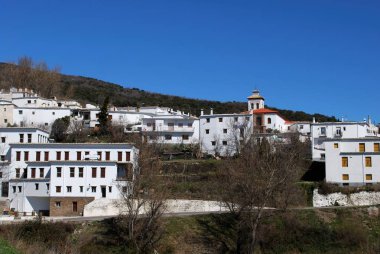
(104, 192)
(75, 206)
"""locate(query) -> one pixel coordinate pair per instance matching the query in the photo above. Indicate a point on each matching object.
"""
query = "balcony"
(169, 129)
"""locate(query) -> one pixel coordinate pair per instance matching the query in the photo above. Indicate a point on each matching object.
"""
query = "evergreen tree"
(103, 117)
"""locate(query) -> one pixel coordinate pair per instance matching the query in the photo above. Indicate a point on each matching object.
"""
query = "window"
(33, 174)
(80, 172)
(26, 156)
(119, 156)
(58, 156)
(269, 120)
(80, 188)
(2, 139)
(107, 156)
(207, 131)
(53, 113)
(207, 120)
(220, 119)
(185, 137)
(17, 173)
(127, 156)
(110, 189)
(93, 189)
(189, 125)
(20, 112)
(180, 125)
(344, 162)
(224, 143)
(21, 138)
(5, 120)
(376, 147)
(168, 137)
(93, 172)
(368, 161)
(19, 188)
(46, 156)
(102, 172)
(2, 157)
(69, 188)
(29, 101)
(42, 172)
(100, 156)
(336, 145)
(323, 131)
(59, 172)
(86, 156)
(38, 156)
(18, 156)
(224, 131)
(124, 189)
(345, 177)
(79, 156)
(29, 138)
(257, 105)
(148, 124)
(362, 147)
(338, 131)
(236, 119)
(58, 204)
(301, 127)
(58, 189)
(33, 113)
(66, 156)
(368, 177)
(47, 186)
(37, 186)
(213, 143)
(14, 189)
(72, 172)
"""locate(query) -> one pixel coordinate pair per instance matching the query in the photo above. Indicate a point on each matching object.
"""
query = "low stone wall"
(362, 198)
(113, 207)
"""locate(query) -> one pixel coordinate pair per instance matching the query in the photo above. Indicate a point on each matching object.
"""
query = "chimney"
(211, 111)
(313, 119)
(202, 112)
(369, 120)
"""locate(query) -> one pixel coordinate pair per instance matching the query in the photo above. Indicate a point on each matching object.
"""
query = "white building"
(352, 161)
(171, 129)
(23, 108)
(321, 132)
(15, 135)
(222, 134)
(62, 178)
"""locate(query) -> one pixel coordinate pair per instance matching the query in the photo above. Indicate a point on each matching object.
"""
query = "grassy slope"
(5, 248)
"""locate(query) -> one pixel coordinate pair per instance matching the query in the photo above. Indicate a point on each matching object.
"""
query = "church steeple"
(255, 101)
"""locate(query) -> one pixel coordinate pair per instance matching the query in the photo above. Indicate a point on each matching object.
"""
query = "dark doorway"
(4, 189)
(75, 206)
(104, 191)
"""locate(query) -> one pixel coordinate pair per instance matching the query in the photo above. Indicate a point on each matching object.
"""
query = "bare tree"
(143, 203)
(263, 175)
(29, 74)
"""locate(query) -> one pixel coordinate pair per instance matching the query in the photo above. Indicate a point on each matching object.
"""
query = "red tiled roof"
(264, 111)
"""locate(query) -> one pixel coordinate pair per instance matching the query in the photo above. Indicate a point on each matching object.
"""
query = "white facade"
(221, 134)
(320, 132)
(353, 161)
(171, 129)
(41, 172)
(38, 117)
(12, 135)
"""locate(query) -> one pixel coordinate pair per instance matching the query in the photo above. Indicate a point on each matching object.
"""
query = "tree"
(59, 129)
(263, 175)
(139, 224)
(103, 117)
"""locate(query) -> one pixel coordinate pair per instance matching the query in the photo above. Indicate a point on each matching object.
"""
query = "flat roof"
(18, 129)
(72, 145)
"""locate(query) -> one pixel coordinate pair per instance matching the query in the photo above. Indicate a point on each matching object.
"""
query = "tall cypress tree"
(103, 117)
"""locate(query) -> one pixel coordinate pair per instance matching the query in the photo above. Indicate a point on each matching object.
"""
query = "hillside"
(89, 90)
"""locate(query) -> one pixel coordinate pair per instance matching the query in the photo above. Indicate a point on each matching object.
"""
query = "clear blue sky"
(316, 56)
